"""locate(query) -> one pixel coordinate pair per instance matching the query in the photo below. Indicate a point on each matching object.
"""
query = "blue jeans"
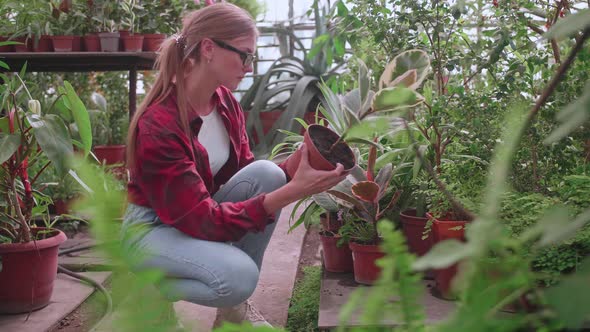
(214, 274)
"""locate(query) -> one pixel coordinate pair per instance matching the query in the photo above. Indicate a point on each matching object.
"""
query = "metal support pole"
(132, 91)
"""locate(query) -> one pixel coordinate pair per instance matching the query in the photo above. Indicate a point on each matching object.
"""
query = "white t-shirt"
(214, 137)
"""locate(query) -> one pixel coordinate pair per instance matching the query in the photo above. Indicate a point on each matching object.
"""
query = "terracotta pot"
(62, 43)
(26, 46)
(91, 43)
(109, 41)
(336, 259)
(77, 44)
(132, 43)
(332, 224)
(43, 44)
(123, 33)
(364, 257)
(442, 230)
(152, 41)
(319, 141)
(28, 273)
(110, 154)
(6, 48)
(413, 227)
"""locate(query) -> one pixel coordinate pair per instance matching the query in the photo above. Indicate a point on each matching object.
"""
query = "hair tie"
(180, 40)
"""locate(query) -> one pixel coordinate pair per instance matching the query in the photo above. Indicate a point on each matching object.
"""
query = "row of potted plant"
(353, 208)
(91, 26)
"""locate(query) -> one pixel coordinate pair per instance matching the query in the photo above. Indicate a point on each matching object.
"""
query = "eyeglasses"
(247, 58)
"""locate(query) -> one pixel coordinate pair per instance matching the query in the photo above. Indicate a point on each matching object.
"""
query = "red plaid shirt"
(179, 188)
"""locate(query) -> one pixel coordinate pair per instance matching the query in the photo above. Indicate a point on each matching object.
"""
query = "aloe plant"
(291, 83)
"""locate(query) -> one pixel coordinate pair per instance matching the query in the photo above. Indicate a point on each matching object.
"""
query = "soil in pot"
(44, 44)
(322, 154)
(324, 139)
(109, 41)
(110, 154)
(25, 46)
(91, 43)
(62, 43)
(132, 43)
(152, 41)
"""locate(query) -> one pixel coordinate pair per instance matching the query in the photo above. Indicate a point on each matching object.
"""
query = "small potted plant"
(104, 123)
(159, 20)
(363, 197)
(29, 252)
(132, 42)
(61, 28)
(104, 14)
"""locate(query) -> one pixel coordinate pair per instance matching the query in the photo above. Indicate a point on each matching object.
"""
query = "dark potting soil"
(341, 153)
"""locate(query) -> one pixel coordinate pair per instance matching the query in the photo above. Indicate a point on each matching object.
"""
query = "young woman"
(207, 208)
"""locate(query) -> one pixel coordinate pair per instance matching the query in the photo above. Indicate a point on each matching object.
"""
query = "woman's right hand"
(308, 181)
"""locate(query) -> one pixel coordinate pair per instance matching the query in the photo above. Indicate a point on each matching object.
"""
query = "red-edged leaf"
(367, 191)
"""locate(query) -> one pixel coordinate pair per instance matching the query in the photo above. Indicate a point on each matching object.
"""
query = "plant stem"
(457, 206)
(25, 231)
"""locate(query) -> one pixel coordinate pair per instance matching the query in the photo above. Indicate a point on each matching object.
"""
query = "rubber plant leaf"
(391, 98)
(367, 191)
(417, 60)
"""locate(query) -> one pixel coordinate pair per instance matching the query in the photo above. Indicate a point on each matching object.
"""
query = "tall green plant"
(26, 133)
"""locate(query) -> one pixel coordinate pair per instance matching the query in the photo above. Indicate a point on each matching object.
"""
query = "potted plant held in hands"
(29, 253)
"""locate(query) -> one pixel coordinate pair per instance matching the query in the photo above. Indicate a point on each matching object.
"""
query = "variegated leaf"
(367, 191)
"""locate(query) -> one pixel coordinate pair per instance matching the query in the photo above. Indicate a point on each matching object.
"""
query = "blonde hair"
(223, 21)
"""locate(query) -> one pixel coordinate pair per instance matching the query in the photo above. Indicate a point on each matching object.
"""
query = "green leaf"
(53, 138)
(569, 25)
(81, 117)
(369, 128)
(570, 299)
(4, 65)
(555, 227)
(443, 254)
(8, 146)
(364, 82)
(390, 98)
(571, 117)
(326, 202)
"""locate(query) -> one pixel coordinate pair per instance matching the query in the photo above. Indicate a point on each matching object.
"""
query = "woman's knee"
(272, 175)
(238, 285)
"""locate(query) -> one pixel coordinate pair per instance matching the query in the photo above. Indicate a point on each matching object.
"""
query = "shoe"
(243, 312)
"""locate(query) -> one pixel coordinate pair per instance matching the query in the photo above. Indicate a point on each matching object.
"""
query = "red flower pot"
(413, 227)
(77, 44)
(62, 43)
(43, 44)
(6, 48)
(110, 154)
(319, 141)
(442, 229)
(91, 43)
(132, 43)
(364, 257)
(152, 41)
(26, 46)
(28, 273)
(336, 259)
